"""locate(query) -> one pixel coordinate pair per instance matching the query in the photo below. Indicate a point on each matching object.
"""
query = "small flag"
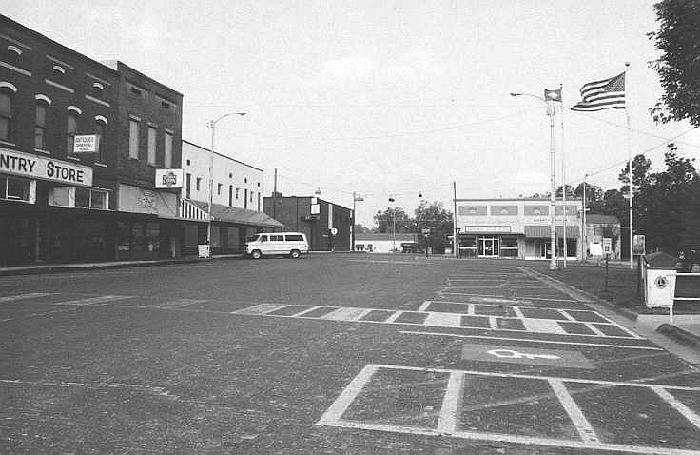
(552, 95)
(605, 94)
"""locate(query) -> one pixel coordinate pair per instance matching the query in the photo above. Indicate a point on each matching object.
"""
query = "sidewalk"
(621, 297)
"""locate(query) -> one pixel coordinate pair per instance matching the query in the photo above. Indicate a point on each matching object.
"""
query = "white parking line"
(449, 416)
(684, 410)
(443, 320)
(99, 300)
(584, 428)
(346, 314)
(31, 295)
(448, 419)
(335, 411)
(571, 343)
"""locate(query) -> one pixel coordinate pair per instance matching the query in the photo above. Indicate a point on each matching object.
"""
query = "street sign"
(607, 245)
(334, 231)
(639, 244)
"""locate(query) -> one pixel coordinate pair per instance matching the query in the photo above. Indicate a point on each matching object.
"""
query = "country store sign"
(38, 167)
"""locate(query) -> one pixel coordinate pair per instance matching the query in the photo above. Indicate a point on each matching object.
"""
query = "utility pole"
(274, 198)
(455, 239)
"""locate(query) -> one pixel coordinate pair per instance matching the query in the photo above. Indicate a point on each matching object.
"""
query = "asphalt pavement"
(337, 354)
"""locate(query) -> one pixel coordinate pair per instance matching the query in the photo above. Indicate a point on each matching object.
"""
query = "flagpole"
(563, 169)
(629, 156)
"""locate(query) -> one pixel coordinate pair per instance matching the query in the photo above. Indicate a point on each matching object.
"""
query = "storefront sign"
(169, 178)
(487, 229)
(38, 167)
(86, 143)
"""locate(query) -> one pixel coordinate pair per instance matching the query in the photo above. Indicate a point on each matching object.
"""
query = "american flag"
(605, 94)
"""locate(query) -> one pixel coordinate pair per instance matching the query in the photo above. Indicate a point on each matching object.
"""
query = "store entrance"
(544, 249)
(487, 247)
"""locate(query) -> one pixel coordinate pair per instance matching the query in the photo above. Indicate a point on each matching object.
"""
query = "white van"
(293, 244)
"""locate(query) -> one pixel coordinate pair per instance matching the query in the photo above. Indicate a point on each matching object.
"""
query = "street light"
(212, 124)
(552, 199)
(392, 200)
(355, 199)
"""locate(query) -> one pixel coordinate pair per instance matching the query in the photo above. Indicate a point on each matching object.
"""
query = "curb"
(60, 268)
(625, 312)
(678, 334)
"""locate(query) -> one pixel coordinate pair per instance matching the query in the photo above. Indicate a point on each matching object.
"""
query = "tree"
(385, 220)
(594, 197)
(640, 174)
(438, 219)
(678, 39)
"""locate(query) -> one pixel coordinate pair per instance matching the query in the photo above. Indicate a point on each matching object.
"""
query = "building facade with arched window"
(60, 206)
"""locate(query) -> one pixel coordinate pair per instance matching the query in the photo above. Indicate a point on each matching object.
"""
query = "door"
(487, 247)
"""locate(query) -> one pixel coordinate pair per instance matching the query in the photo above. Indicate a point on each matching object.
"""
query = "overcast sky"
(387, 97)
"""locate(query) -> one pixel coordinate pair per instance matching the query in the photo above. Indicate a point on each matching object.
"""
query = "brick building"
(61, 206)
(314, 217)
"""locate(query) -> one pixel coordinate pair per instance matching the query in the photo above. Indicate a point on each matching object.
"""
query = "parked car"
(292, 244)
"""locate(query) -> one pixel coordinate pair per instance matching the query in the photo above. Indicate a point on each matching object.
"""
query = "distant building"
(61, 206)
(317, 218)
(517, 228)
(237, 190)
(386, 242)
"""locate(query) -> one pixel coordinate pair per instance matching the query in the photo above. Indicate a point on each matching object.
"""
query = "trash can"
(203, 251)
(659, 280)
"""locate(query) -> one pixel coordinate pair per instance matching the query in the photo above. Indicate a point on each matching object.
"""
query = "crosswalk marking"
(31, 295)
(259, 310)
(443, 320)
(432, 319)
(543, 326)
(102, 299)
(346, 314)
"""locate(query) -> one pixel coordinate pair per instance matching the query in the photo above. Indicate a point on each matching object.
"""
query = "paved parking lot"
(333, 354)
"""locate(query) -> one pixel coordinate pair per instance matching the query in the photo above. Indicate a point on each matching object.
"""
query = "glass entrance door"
(488, 247)
(544, 248)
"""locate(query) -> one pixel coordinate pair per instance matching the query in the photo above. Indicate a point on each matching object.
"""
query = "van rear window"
(294, 238)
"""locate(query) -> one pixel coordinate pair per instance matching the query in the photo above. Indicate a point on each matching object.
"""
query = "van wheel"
(256, 254)
(294, 254)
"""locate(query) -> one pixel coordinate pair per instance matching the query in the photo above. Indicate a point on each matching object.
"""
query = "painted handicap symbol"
(512, 354)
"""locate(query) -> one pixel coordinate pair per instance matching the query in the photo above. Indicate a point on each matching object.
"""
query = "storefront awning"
(237, 215)
(544, 232)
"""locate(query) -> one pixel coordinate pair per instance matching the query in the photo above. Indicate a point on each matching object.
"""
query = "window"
(71, 129)
(91, 199)
(40, 125)
(100, 127)
(276, 238)
(294, 238)
(151, 145)
(133, 138)
(218, 189)
(5, 115)
(15, 188)
(97, 89)
(169, 149)
(245, 198)
(237, 190)
(230, 195)
(188, 185)
(259, 195)
(199, 183)
(13, 55)
(57, 73)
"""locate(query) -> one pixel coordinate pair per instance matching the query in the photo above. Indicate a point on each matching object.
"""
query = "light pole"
(212, 124)
(552, 165)
(355, 199)
(393, 211)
